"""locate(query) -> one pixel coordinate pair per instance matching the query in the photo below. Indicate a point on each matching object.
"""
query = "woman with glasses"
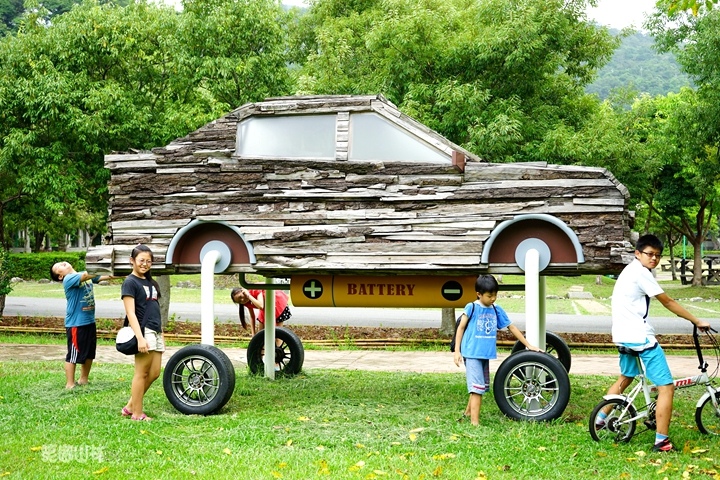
(631, 328)
(140, 294)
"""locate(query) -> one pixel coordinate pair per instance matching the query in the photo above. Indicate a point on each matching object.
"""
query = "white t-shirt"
(630, 304)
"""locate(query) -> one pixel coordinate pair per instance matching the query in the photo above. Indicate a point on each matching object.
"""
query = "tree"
(682, 174)
(236, 49)
(493, 76)
(103, 78)
(695, 40)
(73, 90)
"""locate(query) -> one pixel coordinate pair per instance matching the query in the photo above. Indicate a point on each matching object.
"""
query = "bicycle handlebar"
(696, 340)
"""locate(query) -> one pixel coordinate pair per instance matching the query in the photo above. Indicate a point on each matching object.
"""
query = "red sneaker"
(663, 446)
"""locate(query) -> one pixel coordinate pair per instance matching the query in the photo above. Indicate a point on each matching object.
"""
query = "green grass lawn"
(320, 424)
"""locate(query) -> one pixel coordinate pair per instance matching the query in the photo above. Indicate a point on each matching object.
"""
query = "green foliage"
(637, 66)
(694, 6)
(103, 78)
(36, 266)
(494, 76)
(6, 272)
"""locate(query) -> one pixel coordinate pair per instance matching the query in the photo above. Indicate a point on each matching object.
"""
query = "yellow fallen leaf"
(35, 449)
(303, 419)
(413, 437)
(101, 471)
(541, 449)
(276, 474)
(699, 450)
(379, 472)
(4, 474)
(395, 443)
(320, 448)
(481, 476)
(158, 452)
(417, 430)
(288, 443)
(438, 471)
(444, 456)
(227, 451)
(358, 466)
(640, 453)
(359, 445)
(143, 432)
(282, 464)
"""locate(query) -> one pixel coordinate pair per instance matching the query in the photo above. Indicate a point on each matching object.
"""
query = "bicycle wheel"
(707, 416)
(618, 426)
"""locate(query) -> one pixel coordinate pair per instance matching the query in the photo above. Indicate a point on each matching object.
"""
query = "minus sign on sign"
(453, 290)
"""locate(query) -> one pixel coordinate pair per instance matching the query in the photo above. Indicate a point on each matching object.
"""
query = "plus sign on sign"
(399, 291)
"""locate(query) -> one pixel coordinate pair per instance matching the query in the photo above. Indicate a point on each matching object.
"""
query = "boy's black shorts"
(81, 343)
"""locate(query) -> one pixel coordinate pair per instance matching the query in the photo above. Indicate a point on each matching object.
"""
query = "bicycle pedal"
(650, 424)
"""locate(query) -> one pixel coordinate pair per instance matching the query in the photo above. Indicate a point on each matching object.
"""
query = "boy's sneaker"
(663, 446)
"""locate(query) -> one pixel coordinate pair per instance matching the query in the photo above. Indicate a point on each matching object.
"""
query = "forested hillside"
(635, 64)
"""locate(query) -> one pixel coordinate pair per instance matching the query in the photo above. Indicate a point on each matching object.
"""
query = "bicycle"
(622, 416)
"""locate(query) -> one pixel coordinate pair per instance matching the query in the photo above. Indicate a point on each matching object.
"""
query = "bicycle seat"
(628, 351)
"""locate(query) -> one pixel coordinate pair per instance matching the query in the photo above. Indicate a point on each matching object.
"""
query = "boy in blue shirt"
(477, 330)
(79, 320)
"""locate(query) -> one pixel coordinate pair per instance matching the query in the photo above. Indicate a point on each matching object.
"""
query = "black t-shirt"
(146, 294)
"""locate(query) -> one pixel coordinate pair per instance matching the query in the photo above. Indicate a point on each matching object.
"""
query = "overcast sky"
(614, 13)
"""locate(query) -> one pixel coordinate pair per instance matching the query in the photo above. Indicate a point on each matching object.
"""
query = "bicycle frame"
(648, 389)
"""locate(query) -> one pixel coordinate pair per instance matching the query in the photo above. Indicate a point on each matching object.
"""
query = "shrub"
(36, 266)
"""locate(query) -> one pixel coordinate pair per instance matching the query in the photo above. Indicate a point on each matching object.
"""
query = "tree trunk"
(2, 304)
(447, 325)
(164, 284)
(697, 261)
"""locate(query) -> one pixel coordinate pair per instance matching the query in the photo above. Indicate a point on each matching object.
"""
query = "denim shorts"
(477, 373)
(656, 366)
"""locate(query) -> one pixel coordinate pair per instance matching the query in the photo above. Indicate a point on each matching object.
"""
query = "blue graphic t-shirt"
(80, 297)
(480, 337)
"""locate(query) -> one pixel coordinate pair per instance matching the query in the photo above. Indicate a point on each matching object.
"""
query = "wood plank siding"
(341, 216)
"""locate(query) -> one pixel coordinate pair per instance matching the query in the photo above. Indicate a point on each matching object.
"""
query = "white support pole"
(269, 300)
(532, 296)
(207, 299)
(541, 313)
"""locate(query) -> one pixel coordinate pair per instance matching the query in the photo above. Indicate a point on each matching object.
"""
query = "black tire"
(707, 417)
(618, 426)
(199, 379)
(531, 386)
(289, 355)
(555, 346)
